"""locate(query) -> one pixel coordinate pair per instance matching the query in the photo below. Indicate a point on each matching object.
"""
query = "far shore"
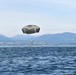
(40, 46)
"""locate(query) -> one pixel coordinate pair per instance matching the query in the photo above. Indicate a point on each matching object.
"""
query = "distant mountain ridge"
(22, 37)
(59, 38)
(4, 38)
(53, 38)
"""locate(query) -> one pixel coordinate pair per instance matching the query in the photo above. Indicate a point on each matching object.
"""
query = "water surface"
(38, 61)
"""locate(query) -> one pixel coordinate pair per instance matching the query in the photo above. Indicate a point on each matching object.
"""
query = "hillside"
(50, 38)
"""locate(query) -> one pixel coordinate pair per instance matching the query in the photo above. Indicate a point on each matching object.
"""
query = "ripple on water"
(36, 61)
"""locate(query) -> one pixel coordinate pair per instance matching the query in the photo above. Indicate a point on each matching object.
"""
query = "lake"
(37, 60)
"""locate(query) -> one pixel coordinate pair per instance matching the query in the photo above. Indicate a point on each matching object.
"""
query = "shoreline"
(42, 46)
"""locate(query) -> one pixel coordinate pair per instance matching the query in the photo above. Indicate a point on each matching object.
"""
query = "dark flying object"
(30, 29)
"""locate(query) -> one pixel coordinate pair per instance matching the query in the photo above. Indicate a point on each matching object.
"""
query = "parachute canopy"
(30, 29)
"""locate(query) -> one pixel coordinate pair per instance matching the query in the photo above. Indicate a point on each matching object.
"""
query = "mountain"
(47, 38)
(4, 38)
(22, 37)
(58, 38)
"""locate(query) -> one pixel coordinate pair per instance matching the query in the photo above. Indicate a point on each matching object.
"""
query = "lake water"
(38, 61)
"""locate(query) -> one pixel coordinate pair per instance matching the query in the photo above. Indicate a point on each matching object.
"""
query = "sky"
(52, 16)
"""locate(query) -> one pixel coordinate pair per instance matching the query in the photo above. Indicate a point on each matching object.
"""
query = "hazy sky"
(53, 16)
